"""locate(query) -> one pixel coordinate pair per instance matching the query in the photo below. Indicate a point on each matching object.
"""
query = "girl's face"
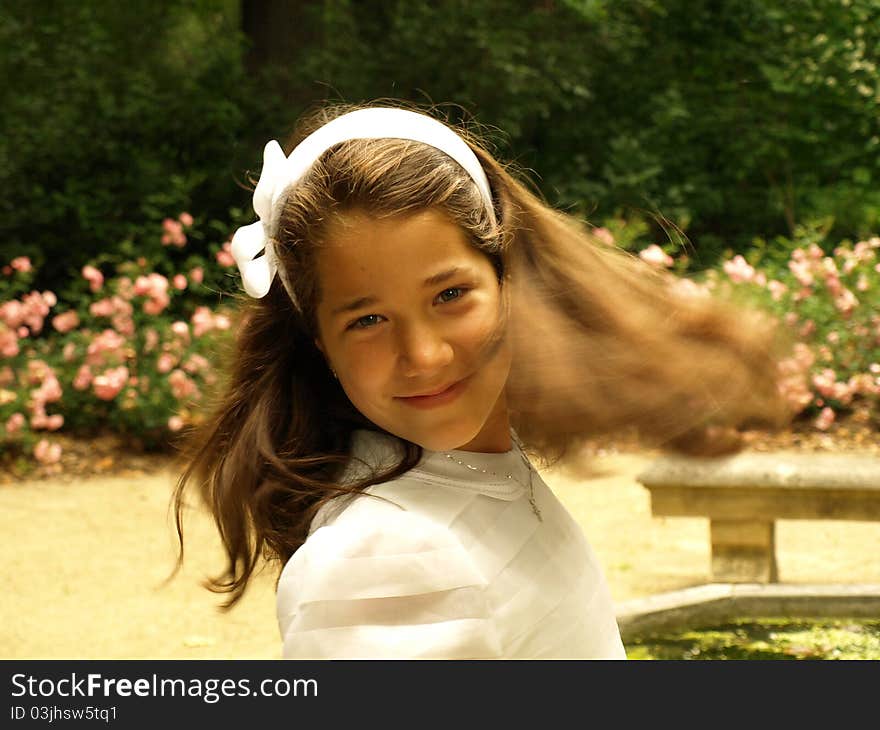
(406, 308)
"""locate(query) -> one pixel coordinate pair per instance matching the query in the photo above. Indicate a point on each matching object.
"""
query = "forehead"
(362, 255)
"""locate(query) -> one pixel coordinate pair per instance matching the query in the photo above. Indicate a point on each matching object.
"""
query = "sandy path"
(84, 563)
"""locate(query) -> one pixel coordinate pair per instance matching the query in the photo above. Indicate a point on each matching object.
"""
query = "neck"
(494, 437)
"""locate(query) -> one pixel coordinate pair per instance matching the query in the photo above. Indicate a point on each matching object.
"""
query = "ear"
(320, 346)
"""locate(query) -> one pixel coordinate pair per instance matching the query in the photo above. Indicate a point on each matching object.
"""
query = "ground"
(87, 551)
(108, 454)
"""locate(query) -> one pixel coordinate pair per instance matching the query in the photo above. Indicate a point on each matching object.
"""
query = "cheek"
(475, 333)
(367, 370)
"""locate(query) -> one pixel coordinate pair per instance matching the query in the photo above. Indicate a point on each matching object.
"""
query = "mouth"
(436, 398)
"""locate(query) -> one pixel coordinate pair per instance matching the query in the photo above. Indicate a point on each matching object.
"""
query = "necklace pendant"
(535, 508)
(508, 476)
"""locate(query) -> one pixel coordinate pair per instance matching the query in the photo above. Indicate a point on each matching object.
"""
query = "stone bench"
(743, 496)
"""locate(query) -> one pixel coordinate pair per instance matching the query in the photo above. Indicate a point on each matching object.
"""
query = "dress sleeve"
(381, 582)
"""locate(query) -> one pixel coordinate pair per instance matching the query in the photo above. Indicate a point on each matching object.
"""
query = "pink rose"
(102, 308)
(688, 287)
(801, 271)
(54, 422)
(186, 219)
(173, 233)
(12, 313)
(108, 385)
(825, 419)
(94, 277)
(14, 423)
(603, 235)
(125, 287)
(142, 286)
(50, 391)
(655, 256)
(155, 305)
(8, 342)
(181, 385)
(846, 302)
(197, 275)
(65, 322)
(808, 328)
(202, 321)
(21, 263)
(224, 255)
(105, 346)
(165, 362)
(221, 322)
(833, 284)
(47, 453)
(739, 270)
(123, 324)
(777, 289)
(175, 423)
(38, 370)
(83, 378)
(179, 282)
(195, 363)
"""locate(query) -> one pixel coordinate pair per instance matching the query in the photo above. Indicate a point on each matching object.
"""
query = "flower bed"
(130, 346)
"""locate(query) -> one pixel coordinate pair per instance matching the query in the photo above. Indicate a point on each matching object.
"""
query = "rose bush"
(130, 345)
(827, 296)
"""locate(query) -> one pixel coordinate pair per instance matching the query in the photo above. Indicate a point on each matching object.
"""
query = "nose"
(422, 350)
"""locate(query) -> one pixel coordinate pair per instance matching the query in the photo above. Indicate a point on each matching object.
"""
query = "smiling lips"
(436, 399)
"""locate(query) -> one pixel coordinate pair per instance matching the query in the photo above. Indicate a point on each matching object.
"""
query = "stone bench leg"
(743, 551)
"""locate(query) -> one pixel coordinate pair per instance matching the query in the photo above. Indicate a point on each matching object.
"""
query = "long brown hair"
(601, 343)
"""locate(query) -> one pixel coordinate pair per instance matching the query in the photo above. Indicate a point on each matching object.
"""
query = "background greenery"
(726, 120)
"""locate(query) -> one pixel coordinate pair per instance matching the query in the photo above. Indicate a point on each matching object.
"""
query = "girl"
(419, 320)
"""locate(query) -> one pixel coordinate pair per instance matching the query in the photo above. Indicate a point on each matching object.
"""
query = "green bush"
(721, 120)
(827, 295)
(130, 345)
(728, 119)
(114, 114)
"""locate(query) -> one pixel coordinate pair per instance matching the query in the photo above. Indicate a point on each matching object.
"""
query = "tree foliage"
(728, 120)
(115, 115)
(731, 119)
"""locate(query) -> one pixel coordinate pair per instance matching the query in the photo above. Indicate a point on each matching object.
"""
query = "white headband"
(280, 172)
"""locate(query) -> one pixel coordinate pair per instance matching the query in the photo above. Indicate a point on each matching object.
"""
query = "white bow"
(279, 172)
(257, 272)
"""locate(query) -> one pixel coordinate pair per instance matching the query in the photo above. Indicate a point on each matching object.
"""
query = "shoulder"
(381, 581)
(374, 523)
(370, 540)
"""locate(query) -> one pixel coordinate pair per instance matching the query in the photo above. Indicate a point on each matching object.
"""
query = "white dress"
(453, 563)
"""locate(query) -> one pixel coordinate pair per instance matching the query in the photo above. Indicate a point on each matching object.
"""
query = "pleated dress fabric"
(445, 562)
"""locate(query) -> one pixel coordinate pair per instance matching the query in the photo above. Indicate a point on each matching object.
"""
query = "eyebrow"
(434, 280)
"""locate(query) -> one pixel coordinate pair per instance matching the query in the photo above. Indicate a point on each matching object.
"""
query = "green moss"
(770, 638)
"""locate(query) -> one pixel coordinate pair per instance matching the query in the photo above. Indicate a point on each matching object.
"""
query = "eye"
(451, 294)
(365, 322)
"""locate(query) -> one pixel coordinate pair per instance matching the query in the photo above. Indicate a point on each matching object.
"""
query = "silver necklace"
(528, 464)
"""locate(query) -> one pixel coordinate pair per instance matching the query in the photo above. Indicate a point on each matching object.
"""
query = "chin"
(447, 439)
